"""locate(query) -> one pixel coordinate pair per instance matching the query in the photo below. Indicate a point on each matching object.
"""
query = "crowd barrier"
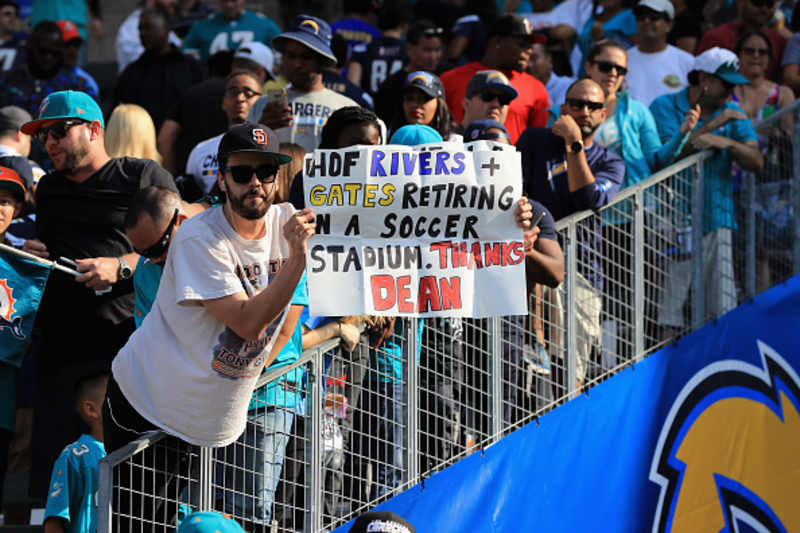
(338, 432)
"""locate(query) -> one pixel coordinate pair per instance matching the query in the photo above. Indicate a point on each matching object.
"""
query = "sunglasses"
(652, 15)
(48, 52)
(242, 174)
(234, 92)
(489, 96)
(432, 31)
(606, 66)
(577, 104)
(158, 249)
(59, 130)
(753, 51)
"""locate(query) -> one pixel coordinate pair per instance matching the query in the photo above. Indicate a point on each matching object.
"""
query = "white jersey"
(310, 110)
(184, 370)
(651, 75)
(202, 163)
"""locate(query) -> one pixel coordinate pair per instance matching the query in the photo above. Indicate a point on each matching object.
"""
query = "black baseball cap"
(252, 138)
(514, 26)
(381, 521)
(426, 82)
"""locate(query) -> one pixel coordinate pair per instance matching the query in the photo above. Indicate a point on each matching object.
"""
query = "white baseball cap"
(659, 6)
(259, 53)
(721, 63)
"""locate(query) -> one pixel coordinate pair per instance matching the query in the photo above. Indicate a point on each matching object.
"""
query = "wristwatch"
(576, 147)
(125, 271)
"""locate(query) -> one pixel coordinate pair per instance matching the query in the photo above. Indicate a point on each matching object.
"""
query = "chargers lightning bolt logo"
(727, 458)
(7, 318)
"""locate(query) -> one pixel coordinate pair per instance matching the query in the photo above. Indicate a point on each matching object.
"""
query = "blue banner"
(21, 287)
(701, 436)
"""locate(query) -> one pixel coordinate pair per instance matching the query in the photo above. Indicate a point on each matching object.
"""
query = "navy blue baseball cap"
(312, 32)
(478, 131)
(426, 82)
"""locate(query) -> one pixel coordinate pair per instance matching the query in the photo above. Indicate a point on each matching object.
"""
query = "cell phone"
(538, 218)
(277, 95)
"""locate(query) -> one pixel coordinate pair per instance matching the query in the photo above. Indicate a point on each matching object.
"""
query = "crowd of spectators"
(597, 95)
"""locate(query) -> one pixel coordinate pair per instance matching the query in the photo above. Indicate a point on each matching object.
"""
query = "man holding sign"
(224, 294)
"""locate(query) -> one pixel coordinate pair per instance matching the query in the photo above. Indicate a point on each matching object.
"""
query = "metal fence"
(350, 429)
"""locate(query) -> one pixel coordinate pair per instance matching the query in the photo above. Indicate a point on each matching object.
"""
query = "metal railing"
(369, 423)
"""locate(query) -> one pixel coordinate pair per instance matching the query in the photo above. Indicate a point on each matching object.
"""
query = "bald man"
(566, 171)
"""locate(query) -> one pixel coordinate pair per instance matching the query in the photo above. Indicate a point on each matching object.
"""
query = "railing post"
(698, 293)
(411, 403)
(105, 488)
(638, 275)
(796, 191)
(570, 320)
(205, 478)
(496, 365)
(750, 234)
(316, 375)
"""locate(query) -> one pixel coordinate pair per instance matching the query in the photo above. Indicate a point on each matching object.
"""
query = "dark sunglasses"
(606, 66)
(577, 104)
(242, 174)
(430, 32)
(763, 3)
(652, 15)
(158, 249)
(489, 96)
(59, 130)
(753, 51)
(48, 52)
(233, 92)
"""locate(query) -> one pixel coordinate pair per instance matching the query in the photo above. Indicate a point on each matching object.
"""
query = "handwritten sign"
(410, 232)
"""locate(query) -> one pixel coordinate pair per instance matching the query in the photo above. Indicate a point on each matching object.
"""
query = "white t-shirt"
(202, 163)
(183, 370)
(651, 75)
(310, 110)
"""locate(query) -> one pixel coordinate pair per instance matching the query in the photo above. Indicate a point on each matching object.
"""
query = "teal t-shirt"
(217, 33)
(284, 391)
(668, 111)
(146, 279)
(73, 486)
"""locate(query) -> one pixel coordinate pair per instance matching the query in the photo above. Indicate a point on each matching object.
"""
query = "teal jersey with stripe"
(217, 33)
(73, 486)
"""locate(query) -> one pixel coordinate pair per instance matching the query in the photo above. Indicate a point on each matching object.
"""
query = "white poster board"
(415, 232)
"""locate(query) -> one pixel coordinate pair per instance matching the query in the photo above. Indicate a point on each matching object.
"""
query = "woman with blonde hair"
(287, 172)
(130, 132)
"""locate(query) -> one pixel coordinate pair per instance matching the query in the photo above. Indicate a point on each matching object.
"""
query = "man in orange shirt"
(509, 41)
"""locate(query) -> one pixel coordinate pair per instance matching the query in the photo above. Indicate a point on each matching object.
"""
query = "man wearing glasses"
(752, 15)
(567, 172)
(487, 98)
(43, 72)
(225, 292)
(80, 211)
(654, 66)
(509, 39)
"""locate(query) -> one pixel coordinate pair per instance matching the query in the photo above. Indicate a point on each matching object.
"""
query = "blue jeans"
(249, 469)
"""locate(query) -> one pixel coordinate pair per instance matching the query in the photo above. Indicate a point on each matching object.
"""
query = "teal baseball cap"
(209, 522)
(65, 105)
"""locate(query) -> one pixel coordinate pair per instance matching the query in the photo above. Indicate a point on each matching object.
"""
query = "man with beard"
(565, 171)
(509, 47)
(80, 210)
(224, 295)
(306, 53)
(27, 85)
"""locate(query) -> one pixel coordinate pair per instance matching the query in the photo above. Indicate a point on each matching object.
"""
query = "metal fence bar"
(698, 294)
